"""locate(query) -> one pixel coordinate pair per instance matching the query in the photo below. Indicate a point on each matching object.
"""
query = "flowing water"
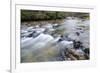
(42, 41)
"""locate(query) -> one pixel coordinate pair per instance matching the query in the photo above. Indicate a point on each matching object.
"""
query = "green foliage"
(34, 15)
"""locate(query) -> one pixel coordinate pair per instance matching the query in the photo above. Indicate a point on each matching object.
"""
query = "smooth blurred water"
(44, 47)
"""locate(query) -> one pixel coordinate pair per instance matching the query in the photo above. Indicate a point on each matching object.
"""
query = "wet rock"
(77, 44)
(77, 33)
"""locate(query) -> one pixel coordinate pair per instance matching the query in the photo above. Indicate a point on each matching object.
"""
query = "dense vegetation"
(30, 15)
